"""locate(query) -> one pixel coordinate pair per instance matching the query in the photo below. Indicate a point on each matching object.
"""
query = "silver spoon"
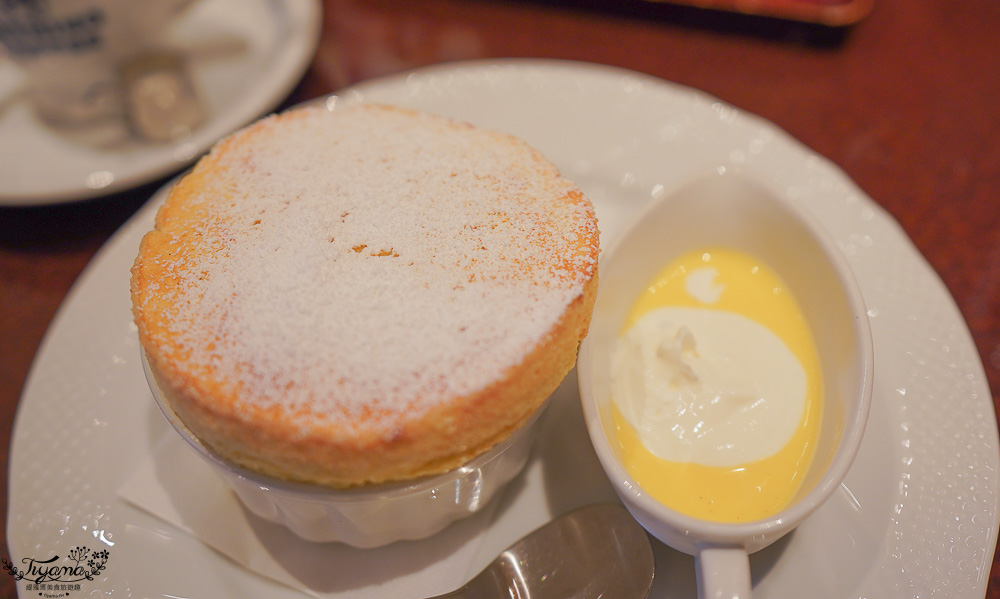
(595, 551)
(161, 101)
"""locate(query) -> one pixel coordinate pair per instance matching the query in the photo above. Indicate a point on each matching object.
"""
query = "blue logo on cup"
(29, 29)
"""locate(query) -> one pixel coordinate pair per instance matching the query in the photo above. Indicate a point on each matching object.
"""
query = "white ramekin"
(373, 515)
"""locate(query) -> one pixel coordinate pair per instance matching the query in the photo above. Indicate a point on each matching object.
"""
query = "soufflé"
(360, 295)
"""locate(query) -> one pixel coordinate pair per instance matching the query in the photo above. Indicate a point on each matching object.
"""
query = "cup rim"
(709, 532)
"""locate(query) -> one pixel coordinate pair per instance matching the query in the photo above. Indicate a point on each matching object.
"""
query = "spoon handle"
(595, 551)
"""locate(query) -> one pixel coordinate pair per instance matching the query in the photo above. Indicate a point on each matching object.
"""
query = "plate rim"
(909, 249)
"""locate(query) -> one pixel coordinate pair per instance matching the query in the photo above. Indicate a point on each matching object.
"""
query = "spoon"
(595, 551)
(161, 101)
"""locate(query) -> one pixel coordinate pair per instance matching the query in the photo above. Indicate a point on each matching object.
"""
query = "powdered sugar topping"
(371, 260)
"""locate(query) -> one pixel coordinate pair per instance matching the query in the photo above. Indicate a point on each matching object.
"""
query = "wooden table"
(904, 101)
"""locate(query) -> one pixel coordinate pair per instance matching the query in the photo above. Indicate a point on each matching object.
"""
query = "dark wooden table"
(906, 102)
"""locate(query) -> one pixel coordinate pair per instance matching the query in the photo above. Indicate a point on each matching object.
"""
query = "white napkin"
(177, 486)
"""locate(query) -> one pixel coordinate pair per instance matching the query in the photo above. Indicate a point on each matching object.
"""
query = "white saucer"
(270, 44)
(917, 516)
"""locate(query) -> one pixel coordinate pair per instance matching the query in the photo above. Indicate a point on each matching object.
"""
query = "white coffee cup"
(734, 209)
(71, 51)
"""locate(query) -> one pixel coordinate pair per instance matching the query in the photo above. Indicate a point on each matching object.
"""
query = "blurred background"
(901, 95)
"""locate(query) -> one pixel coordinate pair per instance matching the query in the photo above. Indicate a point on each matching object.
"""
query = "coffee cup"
(72, 52)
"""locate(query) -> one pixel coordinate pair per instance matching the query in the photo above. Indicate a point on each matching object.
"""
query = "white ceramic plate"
(918, 514)
(246, 57)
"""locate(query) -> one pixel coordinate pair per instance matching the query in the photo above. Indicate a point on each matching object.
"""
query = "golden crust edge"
(442, 439)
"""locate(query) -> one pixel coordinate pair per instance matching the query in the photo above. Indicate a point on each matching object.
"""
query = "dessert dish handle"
(723, 572)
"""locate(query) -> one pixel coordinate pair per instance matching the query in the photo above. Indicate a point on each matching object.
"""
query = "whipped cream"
(708, 386)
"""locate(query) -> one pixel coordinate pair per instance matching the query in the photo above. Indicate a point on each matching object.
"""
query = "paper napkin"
(177, 486)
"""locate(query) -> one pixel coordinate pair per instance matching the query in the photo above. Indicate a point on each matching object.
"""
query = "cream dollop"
(708, 386)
